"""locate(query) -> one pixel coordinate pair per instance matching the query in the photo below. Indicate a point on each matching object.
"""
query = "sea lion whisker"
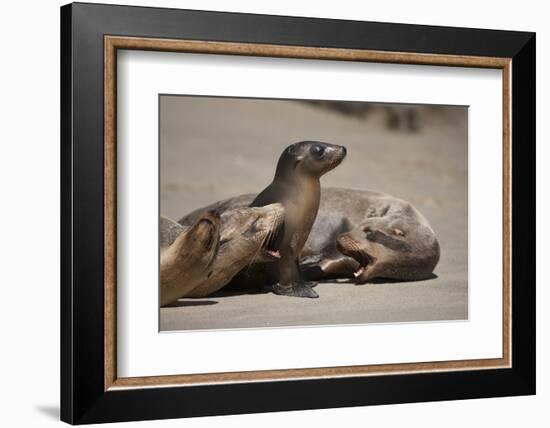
(265, 240)
(255, 255)
(257, 252)
(275, 221)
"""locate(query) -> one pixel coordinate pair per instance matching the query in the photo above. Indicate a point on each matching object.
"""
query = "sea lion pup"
(384, 233)
(186, 254)
(244, 239)
(296, 185)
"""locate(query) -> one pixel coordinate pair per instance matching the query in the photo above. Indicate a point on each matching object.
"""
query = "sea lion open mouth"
(364, 260)
(349, 247)
(360, 257)
(271, 253)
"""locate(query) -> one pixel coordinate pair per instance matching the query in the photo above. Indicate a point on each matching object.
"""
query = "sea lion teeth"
(359, 272)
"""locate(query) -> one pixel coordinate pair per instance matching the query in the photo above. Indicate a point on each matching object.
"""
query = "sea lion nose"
(344, 150)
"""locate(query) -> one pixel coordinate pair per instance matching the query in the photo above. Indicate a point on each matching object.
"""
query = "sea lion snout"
(344, 151)
(340, 150)
(355, 248)
(351, 247)
(341, 153)
(327, 149)
(335, 152)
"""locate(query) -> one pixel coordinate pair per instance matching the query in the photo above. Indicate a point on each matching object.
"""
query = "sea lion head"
(390, 252)
(369, 255)
(310, 157)
(246, 232)
(187, 254)
(200, 242)
(245, 238)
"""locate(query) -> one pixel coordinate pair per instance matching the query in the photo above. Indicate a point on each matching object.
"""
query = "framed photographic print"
(265, 213)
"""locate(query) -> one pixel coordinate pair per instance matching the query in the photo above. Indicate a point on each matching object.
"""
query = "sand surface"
(212, 149)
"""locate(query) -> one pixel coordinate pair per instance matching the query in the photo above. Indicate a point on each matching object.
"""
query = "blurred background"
(215, 148)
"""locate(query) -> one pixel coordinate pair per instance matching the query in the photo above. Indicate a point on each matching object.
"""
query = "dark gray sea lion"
(198, 260)
(393, 241)
(296, 185)
(357, 234)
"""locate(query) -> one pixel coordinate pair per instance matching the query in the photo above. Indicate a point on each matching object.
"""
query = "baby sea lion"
(296, 186)
(197, 260)
(186, 254)
(357, 234)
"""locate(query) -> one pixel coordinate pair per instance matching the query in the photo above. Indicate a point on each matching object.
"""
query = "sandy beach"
(214, 148)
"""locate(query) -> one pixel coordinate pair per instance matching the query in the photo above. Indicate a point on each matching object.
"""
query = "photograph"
(265, 212)
(297, 213)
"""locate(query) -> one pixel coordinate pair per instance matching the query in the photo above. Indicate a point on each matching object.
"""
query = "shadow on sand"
(381, 280)
(186, 303)
(268, 289)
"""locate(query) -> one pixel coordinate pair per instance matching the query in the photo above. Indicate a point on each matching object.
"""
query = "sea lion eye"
(317, 150)
(253, 229)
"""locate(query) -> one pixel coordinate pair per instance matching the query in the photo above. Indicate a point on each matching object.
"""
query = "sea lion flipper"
(339, 266)
(290, 281)
(302, 289)
(321, 267)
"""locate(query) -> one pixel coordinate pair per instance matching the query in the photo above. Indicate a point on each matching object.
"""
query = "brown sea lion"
(357, 234)
(186, 254)
(296, 186)
(244, 240)
(240, 237)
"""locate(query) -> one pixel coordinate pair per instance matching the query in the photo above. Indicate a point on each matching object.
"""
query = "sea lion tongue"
(274, 253)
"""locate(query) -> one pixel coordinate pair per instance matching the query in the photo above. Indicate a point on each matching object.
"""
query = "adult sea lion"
(357, 234)
(186, 254)
(296, 186)
(244, 240)
(194, 264)
(393, 241)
